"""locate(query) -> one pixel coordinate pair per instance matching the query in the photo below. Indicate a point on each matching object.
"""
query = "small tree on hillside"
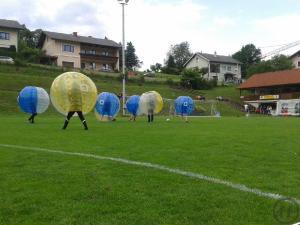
(181, 53)
(170, 66)
(28, 46)
(248, 56)
(132, 60)
(156, 68)
(177, 56)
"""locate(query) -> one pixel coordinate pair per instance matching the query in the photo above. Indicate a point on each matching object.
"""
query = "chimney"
(90, 36)
(75, 34)
(215, 54)
(106, 38)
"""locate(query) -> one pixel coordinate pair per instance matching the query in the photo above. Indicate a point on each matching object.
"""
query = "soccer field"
(168, 172)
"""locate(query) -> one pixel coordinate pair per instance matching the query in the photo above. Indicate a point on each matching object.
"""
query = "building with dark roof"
(9, 33)
(221, 68)
(279, 90)
(72, 50)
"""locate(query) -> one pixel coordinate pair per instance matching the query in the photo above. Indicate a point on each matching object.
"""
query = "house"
(296, 59)
(279, 90)
(220, 68)
(72, 50)
(9, 33)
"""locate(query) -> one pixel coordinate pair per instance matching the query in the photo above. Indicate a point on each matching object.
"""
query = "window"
(229, 68)
(197, 59)
(4, 36)
(105, 53)
(299, 64)
(68, 64)
(90, 52)
(68, 48)
(215, 68)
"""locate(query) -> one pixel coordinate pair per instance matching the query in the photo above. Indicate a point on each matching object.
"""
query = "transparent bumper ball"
(150, 102)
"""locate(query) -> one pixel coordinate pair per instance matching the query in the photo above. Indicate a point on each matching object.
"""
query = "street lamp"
(123, 3)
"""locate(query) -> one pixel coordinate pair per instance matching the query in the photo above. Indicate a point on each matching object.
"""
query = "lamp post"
(123, 3)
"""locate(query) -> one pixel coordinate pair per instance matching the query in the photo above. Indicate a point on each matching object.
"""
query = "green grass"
(46, 188)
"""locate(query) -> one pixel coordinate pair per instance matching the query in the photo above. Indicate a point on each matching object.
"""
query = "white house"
(221, 68)
(85, 52)
(296, 59)
(9, 32)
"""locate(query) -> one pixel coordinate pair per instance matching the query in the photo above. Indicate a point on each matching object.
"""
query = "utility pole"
(123, 3)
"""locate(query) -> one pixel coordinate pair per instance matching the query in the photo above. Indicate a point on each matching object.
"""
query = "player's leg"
(33, 116)
(81, 117)
(69, 116)
(30, 118)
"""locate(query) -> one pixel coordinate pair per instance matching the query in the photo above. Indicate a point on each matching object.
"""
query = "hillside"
(13, 80)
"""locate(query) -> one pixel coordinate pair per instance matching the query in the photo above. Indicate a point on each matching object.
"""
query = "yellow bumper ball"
(73, 91)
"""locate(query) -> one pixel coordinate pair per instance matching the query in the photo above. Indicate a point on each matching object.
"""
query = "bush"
(29, 55)
(193, 78)
(170, 70)
(170, 82)
(19, 63)
(9, 52)
(141, 80)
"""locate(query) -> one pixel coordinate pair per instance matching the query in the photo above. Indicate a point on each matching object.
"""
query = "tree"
(248, 56)
(153, 68)
(156, 68)
(28, 43)
(170, 66)
(181, 54)
(171, 62)
(30, 38)
(277, 63)
(131, 59)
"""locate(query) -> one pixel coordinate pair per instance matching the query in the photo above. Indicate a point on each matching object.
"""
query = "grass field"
(51, 188)
(126, 173)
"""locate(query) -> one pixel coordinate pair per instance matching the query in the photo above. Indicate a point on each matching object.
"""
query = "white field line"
(198, 176)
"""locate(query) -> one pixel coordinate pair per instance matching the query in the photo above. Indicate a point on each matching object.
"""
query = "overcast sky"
(154, 25)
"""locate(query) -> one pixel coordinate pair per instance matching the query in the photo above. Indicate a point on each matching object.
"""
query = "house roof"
(278, 78)
(219, 58)
(296, 53)
(215, 58)
(81, 39)
(10, 24)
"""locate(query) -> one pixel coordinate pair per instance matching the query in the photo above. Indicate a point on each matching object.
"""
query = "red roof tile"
(278, 78)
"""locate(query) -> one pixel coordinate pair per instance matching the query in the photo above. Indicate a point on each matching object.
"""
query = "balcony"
(99, 56)
(282, 96)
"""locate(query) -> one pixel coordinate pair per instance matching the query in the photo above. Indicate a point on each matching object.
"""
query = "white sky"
(153, 26)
